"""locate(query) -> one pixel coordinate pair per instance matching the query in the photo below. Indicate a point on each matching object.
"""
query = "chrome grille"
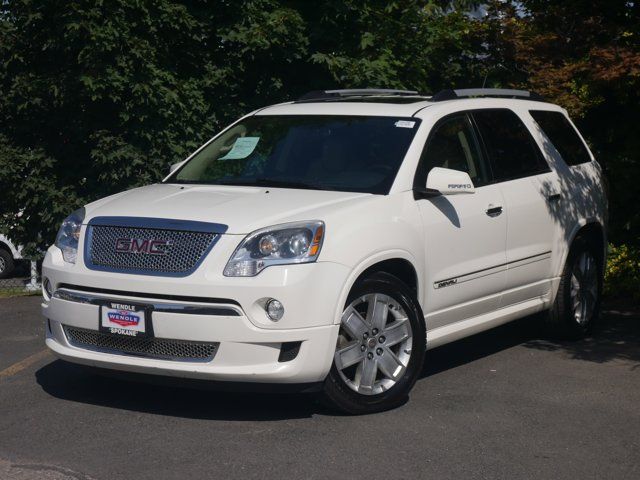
(183, 253)
(160, 348)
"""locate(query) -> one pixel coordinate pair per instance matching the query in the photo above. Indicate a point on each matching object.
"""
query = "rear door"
(465, 233)
(529, 188)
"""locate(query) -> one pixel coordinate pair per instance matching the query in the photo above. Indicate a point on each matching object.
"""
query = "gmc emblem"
(139, 245)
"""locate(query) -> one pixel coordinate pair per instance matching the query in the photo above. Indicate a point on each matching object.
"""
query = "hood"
(243, 209)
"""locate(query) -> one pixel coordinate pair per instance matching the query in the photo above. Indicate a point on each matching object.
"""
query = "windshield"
(355, 154)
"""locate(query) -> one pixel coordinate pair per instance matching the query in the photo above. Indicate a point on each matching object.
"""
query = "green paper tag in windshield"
(242, 148)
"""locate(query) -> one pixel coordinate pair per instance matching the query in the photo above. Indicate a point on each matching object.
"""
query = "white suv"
(328, 242)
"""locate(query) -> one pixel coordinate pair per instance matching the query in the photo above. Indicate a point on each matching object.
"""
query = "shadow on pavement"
(616, 338)
(188, 399)
(482, 345)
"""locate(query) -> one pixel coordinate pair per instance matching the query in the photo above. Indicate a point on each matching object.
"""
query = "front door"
(465, 234)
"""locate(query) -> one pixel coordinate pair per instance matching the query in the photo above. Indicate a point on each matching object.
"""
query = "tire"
(577, 305)
(6, 264)
(396, 361)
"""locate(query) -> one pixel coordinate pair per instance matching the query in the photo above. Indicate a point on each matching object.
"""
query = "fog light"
(274, 309)
(46, 288)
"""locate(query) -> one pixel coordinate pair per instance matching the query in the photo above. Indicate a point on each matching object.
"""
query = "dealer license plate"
(124, 319)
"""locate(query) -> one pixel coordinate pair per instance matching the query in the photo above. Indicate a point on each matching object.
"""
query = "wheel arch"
(594, 232)
(397, 262)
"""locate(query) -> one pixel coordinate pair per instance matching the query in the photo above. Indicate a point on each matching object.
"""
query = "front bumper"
(249, 345)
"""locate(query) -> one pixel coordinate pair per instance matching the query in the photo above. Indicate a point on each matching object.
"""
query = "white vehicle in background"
(329, 241)
(9, 255)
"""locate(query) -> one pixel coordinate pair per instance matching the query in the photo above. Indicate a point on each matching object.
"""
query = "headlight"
(69, 235)
(279, 245)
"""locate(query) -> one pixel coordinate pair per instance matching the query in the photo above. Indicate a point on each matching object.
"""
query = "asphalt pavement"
(503, 404)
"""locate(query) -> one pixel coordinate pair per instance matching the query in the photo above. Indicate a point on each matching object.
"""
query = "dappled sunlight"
(581, 191)
(616, 340)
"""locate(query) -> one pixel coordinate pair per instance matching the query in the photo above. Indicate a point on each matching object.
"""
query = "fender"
(370, 261)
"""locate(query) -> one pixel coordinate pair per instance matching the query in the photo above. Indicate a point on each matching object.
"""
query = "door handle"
(494, 210)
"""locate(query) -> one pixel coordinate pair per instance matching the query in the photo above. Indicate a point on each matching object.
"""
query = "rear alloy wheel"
(577, 302)
(584, 287)
(380, 347)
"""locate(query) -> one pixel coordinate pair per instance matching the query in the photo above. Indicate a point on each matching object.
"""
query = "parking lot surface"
(502, 404)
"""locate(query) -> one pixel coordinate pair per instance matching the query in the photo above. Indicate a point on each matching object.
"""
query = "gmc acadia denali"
(326, 243)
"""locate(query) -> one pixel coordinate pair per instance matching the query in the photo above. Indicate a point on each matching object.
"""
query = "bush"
(622, 274)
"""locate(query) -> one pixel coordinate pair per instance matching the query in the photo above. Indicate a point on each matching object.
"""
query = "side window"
(453, 144)
(511, 148)
(563, 136)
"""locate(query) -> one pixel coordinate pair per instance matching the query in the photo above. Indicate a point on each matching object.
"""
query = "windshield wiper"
(271, 182)
(259, 182)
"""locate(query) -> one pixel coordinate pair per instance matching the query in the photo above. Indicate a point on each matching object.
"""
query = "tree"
(98, 96)
(584, 56)
(101, 96)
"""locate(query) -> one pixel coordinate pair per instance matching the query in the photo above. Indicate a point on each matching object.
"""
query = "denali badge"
(445, 283)
(139, 245)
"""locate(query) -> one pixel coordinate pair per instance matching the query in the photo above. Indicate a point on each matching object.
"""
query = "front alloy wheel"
(380, 347)
(374, 344)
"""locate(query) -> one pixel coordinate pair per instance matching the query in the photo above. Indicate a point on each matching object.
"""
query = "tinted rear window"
(511, 148)
(563, 136)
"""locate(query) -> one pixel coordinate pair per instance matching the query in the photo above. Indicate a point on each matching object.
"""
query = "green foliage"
(98, 96)
(411, 44)
(622, 275)
(31, 187)
(584, 56)
(101, 96)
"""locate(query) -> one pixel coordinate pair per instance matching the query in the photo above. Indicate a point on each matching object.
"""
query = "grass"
(17, 292)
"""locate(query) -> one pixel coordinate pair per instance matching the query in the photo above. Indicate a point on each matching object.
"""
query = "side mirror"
(174, 167)
(444, 181)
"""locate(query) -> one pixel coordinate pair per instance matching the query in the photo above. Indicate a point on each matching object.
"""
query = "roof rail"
(486, 92)
(354, 92)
